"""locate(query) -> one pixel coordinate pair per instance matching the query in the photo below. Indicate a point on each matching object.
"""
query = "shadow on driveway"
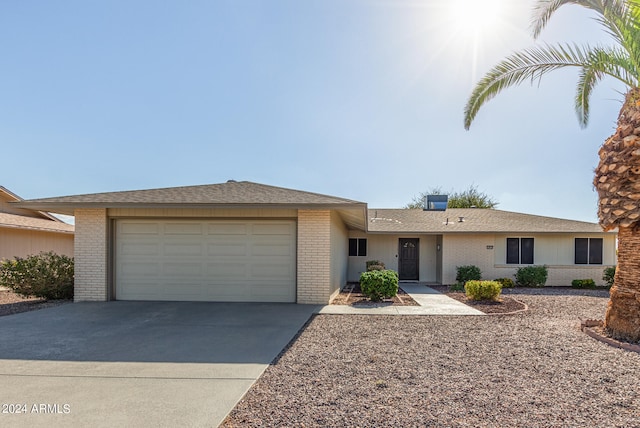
(177, 332)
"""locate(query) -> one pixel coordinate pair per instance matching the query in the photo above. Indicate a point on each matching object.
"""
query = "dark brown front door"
(408, 259)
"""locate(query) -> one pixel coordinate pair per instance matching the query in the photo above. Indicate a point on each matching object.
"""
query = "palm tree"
(617, 177)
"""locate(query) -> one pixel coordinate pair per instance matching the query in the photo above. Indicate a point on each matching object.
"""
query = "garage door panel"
(183, 249)
(280, 271)
(205, 260)
(227, 229)
(226, 248)
(182, 269)
(227, 271)
(140, 249)
(264, 249)
(140, 269)
(183, 229)
(270, 229)
(139, 229)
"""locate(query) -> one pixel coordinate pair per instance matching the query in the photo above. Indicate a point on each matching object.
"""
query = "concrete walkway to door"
(142, 364)
(431, 303)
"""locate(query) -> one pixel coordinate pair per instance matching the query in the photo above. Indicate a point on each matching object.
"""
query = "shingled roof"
(474, 220)
(232, 193)
(14, 221)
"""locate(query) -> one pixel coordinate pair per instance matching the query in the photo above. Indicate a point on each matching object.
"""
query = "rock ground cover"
(533, 369)
(12, 303)
(505, 304)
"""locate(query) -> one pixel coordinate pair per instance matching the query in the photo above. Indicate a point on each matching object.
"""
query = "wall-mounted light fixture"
(438, 247)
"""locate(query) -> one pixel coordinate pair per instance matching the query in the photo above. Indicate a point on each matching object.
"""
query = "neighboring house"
(243, 241)
(24, 231)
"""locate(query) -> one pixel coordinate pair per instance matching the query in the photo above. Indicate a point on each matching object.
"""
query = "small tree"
(469, 198)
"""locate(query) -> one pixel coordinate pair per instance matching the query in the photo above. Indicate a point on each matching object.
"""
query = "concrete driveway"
(137, 363)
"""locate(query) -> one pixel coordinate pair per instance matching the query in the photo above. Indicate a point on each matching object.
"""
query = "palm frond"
(544, 10)
(587, 81)
(532, 64)
(601, 62)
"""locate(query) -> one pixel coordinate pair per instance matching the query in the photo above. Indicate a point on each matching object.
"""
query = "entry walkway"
(431, 303)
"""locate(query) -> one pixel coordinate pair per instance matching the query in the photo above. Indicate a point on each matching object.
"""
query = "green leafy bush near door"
(379, 284)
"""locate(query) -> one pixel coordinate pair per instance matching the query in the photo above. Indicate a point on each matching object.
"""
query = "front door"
(408, 259)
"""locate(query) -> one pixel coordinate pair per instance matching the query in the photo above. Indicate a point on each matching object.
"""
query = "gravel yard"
(12, 303)
(533, 369)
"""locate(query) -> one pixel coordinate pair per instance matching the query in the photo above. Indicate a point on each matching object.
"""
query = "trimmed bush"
(468, 273)
(46, 275)
(505, 282)
(483, 290)
(375, 265)
(379, 284)
(456, 287)
(531, 276)
(583, 283)
(608, 274)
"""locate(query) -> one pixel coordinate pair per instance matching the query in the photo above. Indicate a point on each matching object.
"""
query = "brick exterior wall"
(314, 256)
(471, 249)
(90, 255)
(460, 250)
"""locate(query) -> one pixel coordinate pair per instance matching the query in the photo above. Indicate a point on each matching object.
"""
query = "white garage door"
(226, 261)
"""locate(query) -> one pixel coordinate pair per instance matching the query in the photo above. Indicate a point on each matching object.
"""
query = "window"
(520, 251)
(588, 251)
(357, 247)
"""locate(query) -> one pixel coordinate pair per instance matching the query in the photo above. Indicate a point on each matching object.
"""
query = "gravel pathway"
(534, 369)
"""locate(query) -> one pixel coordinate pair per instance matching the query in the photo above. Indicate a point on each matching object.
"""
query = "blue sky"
(361, 99)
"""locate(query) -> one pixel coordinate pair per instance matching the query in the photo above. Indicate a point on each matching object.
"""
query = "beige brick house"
(24, 231)
(235, 241)
(243, 241)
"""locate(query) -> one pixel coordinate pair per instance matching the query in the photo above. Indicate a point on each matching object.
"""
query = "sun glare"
(474, 27)
(473, 18)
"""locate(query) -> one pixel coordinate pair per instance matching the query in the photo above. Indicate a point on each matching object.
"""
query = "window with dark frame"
(520, 251)
(588, 251)
(357, 247)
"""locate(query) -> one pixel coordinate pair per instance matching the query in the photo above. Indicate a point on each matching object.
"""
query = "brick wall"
(314, 256)
(90, 255)
(469, 249)
(466, 249)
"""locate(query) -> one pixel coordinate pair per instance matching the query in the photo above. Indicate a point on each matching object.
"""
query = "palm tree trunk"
(623, 313)
(617, 180)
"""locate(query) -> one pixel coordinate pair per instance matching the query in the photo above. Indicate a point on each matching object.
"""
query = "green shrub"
(608, 274)
(468, 273)
(505, 282)
(483, 290)
(531, 276)
(375, 265)
(583, 283)
(458, 286)
(379, 284)
(46, 275)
